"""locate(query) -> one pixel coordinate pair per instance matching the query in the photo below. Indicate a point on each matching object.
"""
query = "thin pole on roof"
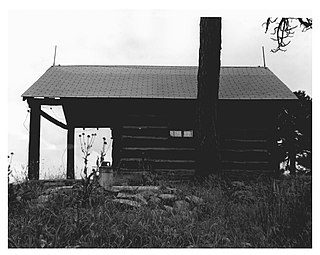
(54, 58)
(264, 59)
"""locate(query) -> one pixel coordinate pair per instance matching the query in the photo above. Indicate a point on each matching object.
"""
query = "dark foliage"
(295, 132)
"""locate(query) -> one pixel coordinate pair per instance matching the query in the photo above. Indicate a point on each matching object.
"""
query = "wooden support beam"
(70, 153)
(53, 120)
(116, 132)
(34, 141)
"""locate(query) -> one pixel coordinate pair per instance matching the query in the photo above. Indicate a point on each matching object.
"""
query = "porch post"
(70, 153)
(34, 141)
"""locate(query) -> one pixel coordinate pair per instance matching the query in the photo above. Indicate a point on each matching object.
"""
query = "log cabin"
(151, 111)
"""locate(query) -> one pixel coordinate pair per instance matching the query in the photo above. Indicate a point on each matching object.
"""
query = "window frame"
(182, 133)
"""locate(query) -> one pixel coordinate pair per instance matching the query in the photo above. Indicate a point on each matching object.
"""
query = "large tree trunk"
(208, 157)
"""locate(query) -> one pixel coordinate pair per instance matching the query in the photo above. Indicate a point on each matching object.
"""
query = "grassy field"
(266, 213)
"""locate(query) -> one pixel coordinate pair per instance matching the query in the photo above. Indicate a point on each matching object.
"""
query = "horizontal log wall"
(141, 131)
(247, 138)
(146, 144)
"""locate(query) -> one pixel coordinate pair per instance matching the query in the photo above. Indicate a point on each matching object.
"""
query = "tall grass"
(270, 213)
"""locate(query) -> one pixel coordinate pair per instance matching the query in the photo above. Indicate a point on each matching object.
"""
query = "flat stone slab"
(137, 197)
(127, 202)
(134, 188)
(167, 196)
(62, 189)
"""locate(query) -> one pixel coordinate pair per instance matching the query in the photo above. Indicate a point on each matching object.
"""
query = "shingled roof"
(166, 82)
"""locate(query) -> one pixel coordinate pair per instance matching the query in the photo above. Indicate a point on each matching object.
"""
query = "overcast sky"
(129, 38)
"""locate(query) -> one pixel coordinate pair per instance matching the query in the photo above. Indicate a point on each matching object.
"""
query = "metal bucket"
(105, 175)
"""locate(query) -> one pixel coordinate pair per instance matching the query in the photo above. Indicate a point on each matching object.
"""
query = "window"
(175, 133)
(181, 133)
(188, 133)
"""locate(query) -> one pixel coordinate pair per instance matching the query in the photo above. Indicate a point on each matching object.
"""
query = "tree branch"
(284, 30)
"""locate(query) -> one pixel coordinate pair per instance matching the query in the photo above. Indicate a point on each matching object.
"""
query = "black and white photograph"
(159, 128)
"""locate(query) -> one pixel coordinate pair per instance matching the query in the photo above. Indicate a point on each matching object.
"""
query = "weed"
(276, 213)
